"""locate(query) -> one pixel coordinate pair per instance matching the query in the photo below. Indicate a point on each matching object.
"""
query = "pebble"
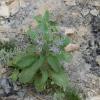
(85, 11)
(70, 2)
(94, 12)
(98, 60)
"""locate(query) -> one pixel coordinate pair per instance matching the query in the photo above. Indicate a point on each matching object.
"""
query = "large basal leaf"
(60, 79)
(40, 80)
(54, 63)
(27, 74)
(23, 61)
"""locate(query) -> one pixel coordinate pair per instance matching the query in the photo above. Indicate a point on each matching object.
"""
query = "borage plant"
(42, 61)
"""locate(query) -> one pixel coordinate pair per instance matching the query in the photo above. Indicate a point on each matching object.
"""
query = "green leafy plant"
(42, 61)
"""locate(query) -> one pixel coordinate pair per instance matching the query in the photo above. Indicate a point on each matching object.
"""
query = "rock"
(4, 10)
(70, 2)
(14, 7)
(69, 31)
(94, 12)
(72, 47)
(98, 60)
(95, 3)
(85, 11)
(7, 86)
(22, 93)
(94, 98)
(10, 7)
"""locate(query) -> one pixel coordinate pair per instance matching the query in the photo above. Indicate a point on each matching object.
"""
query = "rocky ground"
(81, 17)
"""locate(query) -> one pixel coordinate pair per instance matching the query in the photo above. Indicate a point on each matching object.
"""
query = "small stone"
(4, 10)
(94, 98)
(94, 12)
(6, 85)
(98, 59)
(95, 3)
(69, 31)
(85, 12)
(14, 7)
(70, 2)
(72, 47)
(21, 93)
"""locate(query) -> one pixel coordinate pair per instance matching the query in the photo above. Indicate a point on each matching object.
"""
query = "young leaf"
(54, 63)
(38, 18)
(14, 75)
(27, 74)
(31, 34)
(40, 80)
(66, 41)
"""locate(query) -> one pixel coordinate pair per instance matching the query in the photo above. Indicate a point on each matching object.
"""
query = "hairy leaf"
(27, 74)
(40, 80)
(60, 79)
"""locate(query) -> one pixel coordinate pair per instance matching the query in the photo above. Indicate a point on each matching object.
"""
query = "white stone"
(69, 30)
(94, 12)
(10, 7)
(94, 98)
(70, 2)
(4, 10)
(98, 59)
(14, 7)
(85, 12)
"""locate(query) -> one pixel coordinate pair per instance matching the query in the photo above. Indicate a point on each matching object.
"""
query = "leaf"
(66, 41)
(64, 56)
(31, 34)
(46, 16)
(40, 80)
(14, 75)
(71, 94)
(23, 61)
(54, 63)
(27, 75)
(60, 78)
(38, 18)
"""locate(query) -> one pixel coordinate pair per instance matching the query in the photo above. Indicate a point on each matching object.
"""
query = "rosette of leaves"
(43, 59)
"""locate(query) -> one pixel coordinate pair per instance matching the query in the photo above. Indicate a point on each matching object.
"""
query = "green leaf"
(64, 56)
(60, 78)
(31, 34)
(38, 18)
(14, 75)
(23, 61)
(27, 74)
(71, 94)
(40, 80)
(46, 16)
(54, 63)
(66, 41)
